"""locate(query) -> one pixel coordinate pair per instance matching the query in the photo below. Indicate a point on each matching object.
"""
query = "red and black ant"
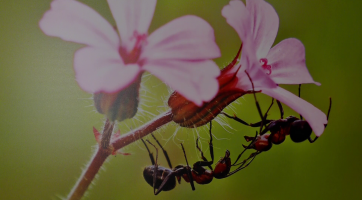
(164, 179)
(298, 129)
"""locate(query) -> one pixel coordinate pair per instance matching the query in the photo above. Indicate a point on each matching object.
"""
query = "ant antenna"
(164, 151)
(156, 168)
(188, 169)
(149, 152)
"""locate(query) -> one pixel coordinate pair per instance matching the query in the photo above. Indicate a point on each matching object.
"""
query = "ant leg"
(236, 118)
(252, 156)
(244, 164)
(266, 121)
(266, 114)
(155, 170)
(281, 109)
(257, 103)
(311, 141)
(257, 124)
(329, 109)
(164, 151)
(188, 169)
(300, 85)
(211, 147)
(245, 148)
(177, 172)
(205, 162)
(325, 125)
(149, 153)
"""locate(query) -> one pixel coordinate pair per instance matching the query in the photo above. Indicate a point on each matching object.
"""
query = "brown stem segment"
(142, 131)
(107, 133)
(105, 149)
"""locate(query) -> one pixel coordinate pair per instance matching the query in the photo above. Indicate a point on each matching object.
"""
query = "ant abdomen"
(261, 142)
(162, 173)
(300, 131)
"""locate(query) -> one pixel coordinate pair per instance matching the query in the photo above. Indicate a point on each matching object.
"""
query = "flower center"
(132, 56)
(266, 67)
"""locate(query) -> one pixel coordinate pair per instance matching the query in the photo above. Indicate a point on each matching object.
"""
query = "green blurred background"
(46, 119)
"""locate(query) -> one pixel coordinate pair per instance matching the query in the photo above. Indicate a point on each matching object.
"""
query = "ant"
(158, 180)
(164, 179)
(298, 129)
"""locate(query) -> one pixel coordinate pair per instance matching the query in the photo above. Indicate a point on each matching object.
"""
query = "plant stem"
(107, 147)
(142, 131)
(93, 167)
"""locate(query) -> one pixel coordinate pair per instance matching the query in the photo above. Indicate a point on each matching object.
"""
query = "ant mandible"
(298, 129)
(164, 179)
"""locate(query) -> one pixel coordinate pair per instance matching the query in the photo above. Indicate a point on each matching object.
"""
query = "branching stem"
(107, 147)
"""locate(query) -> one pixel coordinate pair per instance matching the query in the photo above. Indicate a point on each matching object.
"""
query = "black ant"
(158, 180)
(298, 129)
(164, 179)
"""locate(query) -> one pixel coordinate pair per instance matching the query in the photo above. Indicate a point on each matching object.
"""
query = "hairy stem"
(142, 131)
(107, 147)
(93, 167)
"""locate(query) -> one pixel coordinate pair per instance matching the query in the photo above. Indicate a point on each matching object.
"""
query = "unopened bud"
(120, 105)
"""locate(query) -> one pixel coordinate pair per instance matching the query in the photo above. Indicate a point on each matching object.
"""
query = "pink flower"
(257, 25)
(179, 53)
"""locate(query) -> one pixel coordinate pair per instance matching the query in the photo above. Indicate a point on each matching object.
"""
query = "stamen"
(133, 55)
(265, 66)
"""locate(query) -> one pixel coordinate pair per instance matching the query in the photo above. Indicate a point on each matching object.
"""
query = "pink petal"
(315, 117)
(75, 22)
(288, 63)
(195, 80)
(237, 16)
(131, 16)
(256, 24)
(99, 70)
(185, 38)
(264, 26)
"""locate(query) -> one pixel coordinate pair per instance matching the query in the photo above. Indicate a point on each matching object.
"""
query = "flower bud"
(120, 105)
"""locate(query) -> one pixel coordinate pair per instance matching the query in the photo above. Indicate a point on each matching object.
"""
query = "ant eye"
(300, 131)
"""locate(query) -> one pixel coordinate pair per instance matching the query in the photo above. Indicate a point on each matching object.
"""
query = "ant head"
(300, 131)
